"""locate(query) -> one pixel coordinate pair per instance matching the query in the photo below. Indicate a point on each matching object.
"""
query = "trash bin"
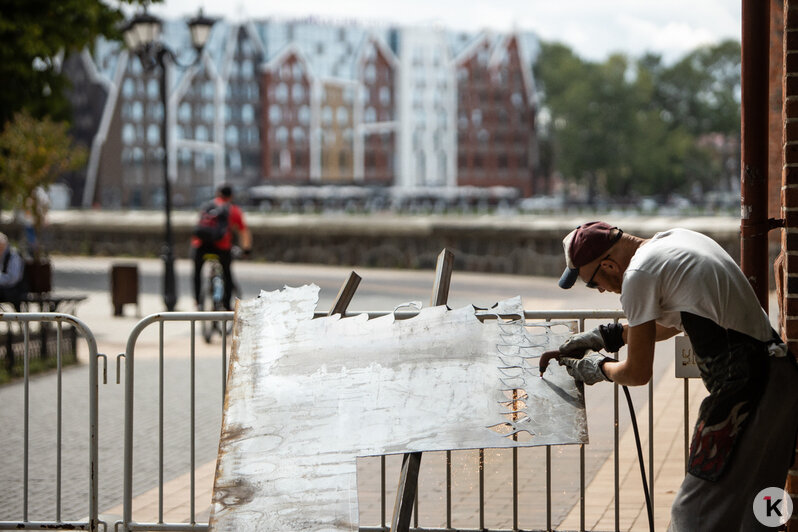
(124, 286)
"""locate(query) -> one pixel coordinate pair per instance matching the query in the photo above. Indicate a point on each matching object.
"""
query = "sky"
(592, 28)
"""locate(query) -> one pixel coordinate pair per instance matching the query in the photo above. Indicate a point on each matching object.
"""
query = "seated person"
(12, 270)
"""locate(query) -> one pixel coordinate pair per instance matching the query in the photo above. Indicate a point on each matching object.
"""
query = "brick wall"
(789, 197)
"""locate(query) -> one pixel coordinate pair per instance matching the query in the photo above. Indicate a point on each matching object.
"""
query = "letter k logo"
(771, 506)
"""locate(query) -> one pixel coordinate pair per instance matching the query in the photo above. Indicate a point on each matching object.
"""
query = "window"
(298, 134)
(385, 95)
(247, 70)
(370, 73)
(207, 90)
(342, 116)
(298, 92)
(231, 135)
(281, 93)
(371, 114)
(247, 113)
(476, 117)
(136, 111)
(128, 88)
(234, 160)
(184, 112)
(304, 115)
(201, 133)
(152, 89)
(327, 115)
(275, 114)
(128, 134)
(281, 135)
(207, 112)
(153, 135)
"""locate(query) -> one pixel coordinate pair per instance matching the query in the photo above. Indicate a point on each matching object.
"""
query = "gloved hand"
(579, 344)
(586, 369)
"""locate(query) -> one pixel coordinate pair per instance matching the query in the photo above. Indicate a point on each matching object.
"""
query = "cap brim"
(569, 277)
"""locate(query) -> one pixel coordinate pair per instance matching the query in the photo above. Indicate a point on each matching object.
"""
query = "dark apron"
(734, 369)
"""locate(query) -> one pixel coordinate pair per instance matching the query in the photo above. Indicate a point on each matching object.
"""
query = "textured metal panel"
(306, 396)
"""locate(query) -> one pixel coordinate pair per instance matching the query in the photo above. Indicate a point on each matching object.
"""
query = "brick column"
(789, 242)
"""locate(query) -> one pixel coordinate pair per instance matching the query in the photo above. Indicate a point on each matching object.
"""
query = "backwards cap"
(585, 244)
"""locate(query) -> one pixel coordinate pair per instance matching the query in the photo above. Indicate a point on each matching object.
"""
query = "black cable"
(640, 458)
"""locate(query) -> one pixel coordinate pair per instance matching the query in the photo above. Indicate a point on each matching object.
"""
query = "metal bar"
(754, 137)
(407, 314)
(686, 423)
(26, 436)
(515, 483)
(383, 502)
(168, 526)
(160, 420)
(46, 525)
(481, 489)
(448, 489)
(224, 361)
(58, 336)
(443, 278)
(651, 441)
(345, 294)
(406, 493)
(582, 488)
(548, 487)
(616, 457)
(193, 418)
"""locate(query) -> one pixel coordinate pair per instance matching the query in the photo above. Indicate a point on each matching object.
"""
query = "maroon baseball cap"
(585, 244)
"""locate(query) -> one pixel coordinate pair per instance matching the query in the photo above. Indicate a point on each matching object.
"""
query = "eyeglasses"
(590, 283)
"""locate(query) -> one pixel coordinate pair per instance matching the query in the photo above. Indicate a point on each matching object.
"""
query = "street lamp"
(142, 36)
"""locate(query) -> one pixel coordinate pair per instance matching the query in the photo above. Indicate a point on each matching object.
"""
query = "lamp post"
(142, 36)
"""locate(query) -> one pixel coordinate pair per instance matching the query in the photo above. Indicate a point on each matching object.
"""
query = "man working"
(680, 280)
(213, 235)
(12, 270)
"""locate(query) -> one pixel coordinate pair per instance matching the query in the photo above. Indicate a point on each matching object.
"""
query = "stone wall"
(529, 245)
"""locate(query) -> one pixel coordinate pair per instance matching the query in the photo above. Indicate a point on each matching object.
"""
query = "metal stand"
(407, 491)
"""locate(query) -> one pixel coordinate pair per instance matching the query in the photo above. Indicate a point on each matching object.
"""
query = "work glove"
(579, 344)
(608, 337)
(586, 369)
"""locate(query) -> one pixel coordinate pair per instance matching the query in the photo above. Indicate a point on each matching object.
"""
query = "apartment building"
(309, 103)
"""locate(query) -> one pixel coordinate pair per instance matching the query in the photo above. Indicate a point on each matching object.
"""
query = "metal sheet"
(305, 397)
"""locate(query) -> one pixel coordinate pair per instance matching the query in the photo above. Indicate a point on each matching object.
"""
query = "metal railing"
(59, 321)
(577, 320)
(192, 318)
(24, 320)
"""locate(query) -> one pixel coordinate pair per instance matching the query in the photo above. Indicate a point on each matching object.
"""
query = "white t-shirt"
(681, 270)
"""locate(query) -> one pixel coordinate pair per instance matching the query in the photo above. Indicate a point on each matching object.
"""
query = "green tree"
(33, 35)
(700, 92)
(626, 128)
(34, 154)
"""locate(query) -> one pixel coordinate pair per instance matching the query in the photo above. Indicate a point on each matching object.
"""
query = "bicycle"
(215, 295)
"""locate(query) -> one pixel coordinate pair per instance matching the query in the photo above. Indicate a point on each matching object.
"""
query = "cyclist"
(228, 218)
